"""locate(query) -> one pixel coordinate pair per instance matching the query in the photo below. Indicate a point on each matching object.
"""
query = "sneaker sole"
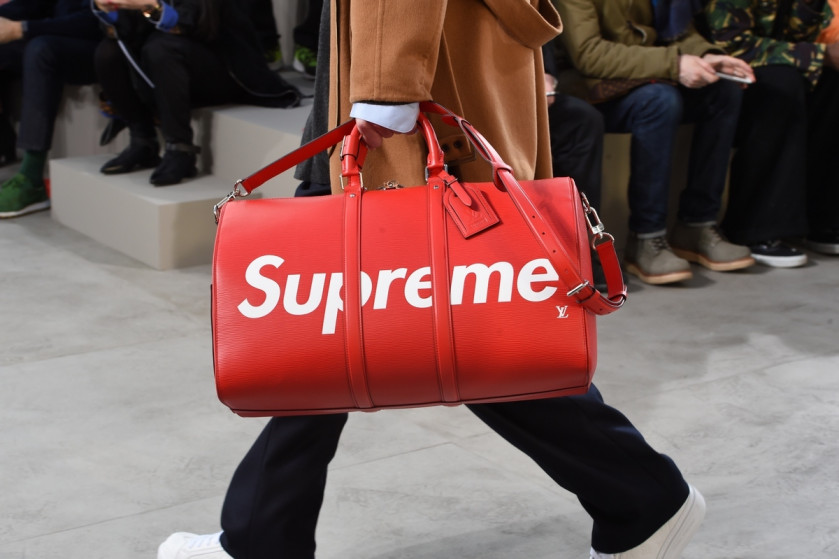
(661, 279)
(824, 248)
(31, 208)
(713, 265)
(781, 261)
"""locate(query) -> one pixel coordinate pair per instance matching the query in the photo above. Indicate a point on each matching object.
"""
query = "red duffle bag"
(445, 293)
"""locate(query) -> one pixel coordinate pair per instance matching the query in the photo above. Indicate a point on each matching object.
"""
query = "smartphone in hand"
(734, 78)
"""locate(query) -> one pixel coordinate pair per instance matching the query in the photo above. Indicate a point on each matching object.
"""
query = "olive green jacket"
(616, 40)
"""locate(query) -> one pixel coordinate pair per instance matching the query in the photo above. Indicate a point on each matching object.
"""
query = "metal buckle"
(235, 193)
(360, 180)
(578, 288)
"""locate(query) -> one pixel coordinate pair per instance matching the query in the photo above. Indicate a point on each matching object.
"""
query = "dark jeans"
(652, 114)
(186, 74)
(45, 63)
(577, 144)
(587, 447)
(783, 170)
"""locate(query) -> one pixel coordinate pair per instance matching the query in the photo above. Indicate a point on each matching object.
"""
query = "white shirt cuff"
(399, 118)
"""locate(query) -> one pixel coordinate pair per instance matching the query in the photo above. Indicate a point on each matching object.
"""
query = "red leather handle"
(354, 151)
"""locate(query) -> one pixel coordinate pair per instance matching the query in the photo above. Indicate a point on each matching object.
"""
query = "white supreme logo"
(538, 271)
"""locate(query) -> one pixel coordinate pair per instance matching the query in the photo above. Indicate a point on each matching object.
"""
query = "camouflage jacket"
(745, 29)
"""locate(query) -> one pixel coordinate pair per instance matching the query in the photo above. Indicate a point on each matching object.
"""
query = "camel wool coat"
(481, 59)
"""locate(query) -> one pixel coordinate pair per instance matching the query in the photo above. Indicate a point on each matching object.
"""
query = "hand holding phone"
(734, 78)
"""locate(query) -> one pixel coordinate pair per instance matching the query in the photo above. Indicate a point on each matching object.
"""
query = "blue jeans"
(652, 113)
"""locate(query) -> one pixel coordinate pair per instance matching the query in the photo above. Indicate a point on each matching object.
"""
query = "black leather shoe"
(141, 153)
(178, 164)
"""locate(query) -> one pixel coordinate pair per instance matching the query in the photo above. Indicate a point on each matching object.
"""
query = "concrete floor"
(111, 436)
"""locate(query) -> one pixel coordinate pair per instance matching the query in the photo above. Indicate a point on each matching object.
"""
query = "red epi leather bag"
(446, 293)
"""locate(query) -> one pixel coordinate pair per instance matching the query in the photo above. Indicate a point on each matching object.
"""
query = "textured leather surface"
(371, 300)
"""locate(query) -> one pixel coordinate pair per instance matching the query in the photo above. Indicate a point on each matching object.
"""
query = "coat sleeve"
(596, 56)
(733, 24)
(394, 49)
(70, 18)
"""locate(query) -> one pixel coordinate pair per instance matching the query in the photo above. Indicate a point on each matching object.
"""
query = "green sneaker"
(305, 61)
(18, 196)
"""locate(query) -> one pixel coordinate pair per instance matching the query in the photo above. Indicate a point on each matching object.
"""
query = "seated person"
(47, 44)
(159, 62)
(647, 81)
(783, 181)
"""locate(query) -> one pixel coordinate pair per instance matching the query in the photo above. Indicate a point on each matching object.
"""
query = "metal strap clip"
(235, 193)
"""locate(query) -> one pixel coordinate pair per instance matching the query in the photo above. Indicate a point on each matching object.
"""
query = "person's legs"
(577, 144)
(713, 111)
(185, 74)
(652, 113)
(587, 447)
(273, 501)
(11, 58)
(576, 131)
(593, 451)
(118, 81)
(822, 181)
(48, 63)
(767, 196)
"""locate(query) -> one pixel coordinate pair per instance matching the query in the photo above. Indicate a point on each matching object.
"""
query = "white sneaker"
(669, 540)
(183, 545)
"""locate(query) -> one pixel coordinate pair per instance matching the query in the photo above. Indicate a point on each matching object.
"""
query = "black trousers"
(629, 489)
(577, 130)
(46, 64)
(783, 182)
(186, 74)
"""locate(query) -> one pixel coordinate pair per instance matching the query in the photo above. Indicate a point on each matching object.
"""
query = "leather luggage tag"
(472, 215)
